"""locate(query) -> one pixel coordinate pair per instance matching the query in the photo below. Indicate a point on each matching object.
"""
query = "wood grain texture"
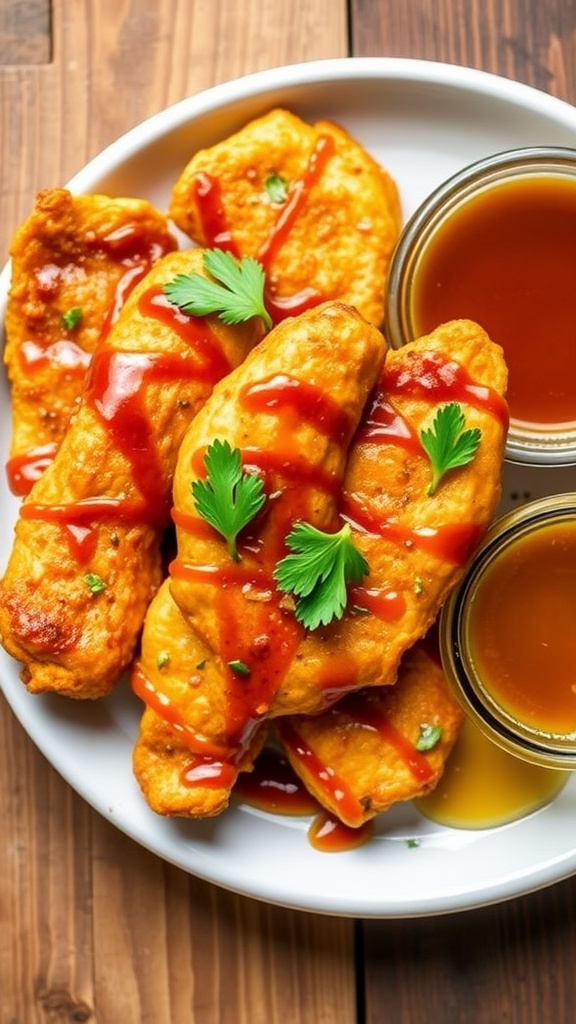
(25, 34)
(512, 963)
(93, 927)
(528, 40)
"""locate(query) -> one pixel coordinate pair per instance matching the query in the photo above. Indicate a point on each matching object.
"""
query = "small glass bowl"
(461, 617)
(532, 444)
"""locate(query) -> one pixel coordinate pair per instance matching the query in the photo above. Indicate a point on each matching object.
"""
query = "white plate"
(423, 121)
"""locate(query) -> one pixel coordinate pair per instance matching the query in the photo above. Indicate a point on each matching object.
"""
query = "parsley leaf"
(277, 188)
(235, 292)
(447, 444)
(430, 736)
(229, 498)
(317, 571)
(94, 583)
(72, 317)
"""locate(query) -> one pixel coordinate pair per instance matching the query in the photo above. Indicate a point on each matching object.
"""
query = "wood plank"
(99, 929)
(45, 897)
(25, 32)
(169, 947)
(513, 962)
(523, 39)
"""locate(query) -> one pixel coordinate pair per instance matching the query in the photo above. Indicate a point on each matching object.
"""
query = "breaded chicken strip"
(291, 409)
(308, 201)
(416, 545)
(362, 755)
(86, 558)
(181, 760)
(74, 261)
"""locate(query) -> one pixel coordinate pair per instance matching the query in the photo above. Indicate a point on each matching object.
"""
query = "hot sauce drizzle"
(437, 380)
(431, 376)
(23, 470)
(274, 787)
(216, 232)
(115, 388)
(135, 250)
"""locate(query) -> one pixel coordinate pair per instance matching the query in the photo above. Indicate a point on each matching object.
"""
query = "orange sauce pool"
(507, 259)
(521, 629)
(484, 786)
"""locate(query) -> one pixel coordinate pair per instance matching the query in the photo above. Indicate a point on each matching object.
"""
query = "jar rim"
(539, 747)
(546, 445)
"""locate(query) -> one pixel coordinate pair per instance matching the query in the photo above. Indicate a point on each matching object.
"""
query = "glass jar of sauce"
(508, 633)
(496, 244)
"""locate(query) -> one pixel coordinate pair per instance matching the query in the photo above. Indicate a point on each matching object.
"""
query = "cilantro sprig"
(447, 444)
(317, 572)
(430, 736)
(234, 290)
(228, 498)
(277, 188)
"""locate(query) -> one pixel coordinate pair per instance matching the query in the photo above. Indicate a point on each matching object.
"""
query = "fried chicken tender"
(307, 200)
(181, 770)
(291, 409)
(73, 262)
(417, 545)
(360, 756)
(86, 558)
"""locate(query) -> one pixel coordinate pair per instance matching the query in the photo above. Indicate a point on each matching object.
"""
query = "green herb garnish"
(447, 444)
(72, 317)
(239, 667)
(317, 572)
(235, 293)
(162, 659)
(429, 736)
(94, 583)
(277, 188)
(228, 498)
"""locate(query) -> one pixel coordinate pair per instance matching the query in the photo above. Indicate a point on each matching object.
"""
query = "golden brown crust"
(177, 665)
(72, 252)
(72, 639)
(416, 545)
(365, 746)
(340, 243)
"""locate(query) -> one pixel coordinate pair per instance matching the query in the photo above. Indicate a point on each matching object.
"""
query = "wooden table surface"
(92, 927)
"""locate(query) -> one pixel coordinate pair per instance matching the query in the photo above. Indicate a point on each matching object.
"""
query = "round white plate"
(423, 121)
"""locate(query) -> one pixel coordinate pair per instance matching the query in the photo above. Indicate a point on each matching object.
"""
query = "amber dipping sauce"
(521, 628)
(506, 258)
(484, 786)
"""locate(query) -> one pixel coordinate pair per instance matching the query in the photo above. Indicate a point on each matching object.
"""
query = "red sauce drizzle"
(387, 605)
(330, 835)
(274, 787)
(429, 375)
(383, 424)
(217, 233)
(451, 542)
(213, 363)
(323, 150)
(208, 195)
(337, 790)
(115, 388)
(298, 401)
(24, 470)
(64, 354)
(366, 710)
(168, 711)
(80, 519)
